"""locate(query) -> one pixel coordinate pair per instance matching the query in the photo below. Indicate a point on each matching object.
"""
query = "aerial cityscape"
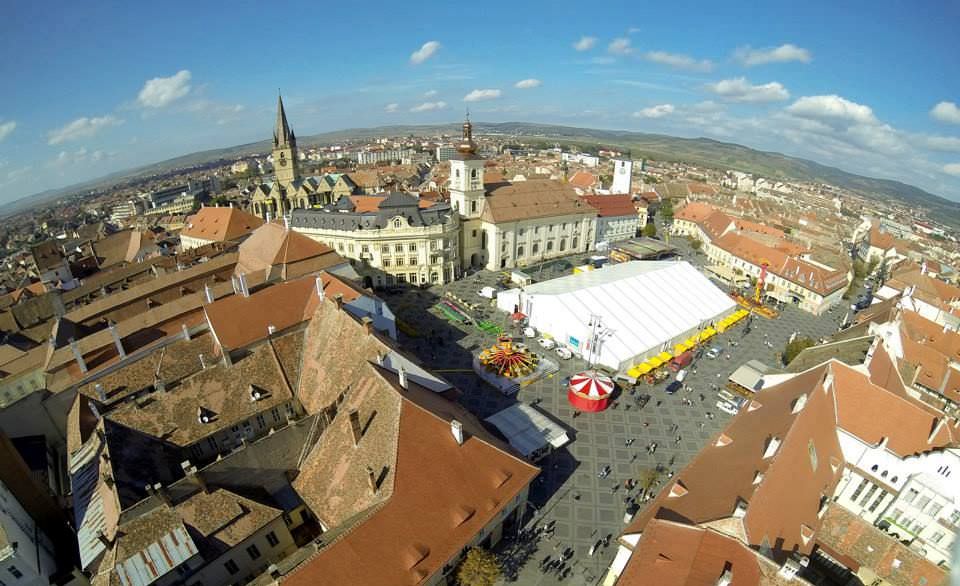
(480, 295)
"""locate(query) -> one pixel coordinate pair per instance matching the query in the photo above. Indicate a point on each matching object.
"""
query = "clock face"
(283, 162)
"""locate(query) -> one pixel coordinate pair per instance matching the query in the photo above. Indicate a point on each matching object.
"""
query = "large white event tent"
(645, 307)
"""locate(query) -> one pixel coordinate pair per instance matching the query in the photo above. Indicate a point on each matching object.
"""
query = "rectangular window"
(15, 572)
(866, 497)
(385, 249)
(938, 537)
(935, 509)
(412, 278)
(434, 259)
(386, 262)
(911, 495)
(253, 551)
(412, 261)
(412, 248)
(876, 501)
(923, 502)
(399, 262)
(364, 248)
(272, 539)
(231, 566)
(860, 487)
(955, 517)
(398, 248)
(433, 245)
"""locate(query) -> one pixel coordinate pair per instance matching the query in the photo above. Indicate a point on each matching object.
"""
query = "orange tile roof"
(526, 200)
(880, 239)
(724, 472)
(583, 180)
(672, 554)
(612, 205)
(694, 211)
(433, 495)
(239, 321)
(220, 224)
(873, 413)
(751, 226)
(807, 275)
(273, 245)
(371, 203)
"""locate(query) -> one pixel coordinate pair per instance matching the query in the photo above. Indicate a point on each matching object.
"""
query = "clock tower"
(285, 163)
(466, 176)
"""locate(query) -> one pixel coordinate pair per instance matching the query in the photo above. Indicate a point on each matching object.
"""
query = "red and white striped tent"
(589, 391)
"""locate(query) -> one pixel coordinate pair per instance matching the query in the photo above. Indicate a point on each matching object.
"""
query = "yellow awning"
(679, 349)
(665, 356)
(639, 370)
(707, 334)
(654, 362)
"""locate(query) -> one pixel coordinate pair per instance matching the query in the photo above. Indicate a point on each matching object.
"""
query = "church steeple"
(285, 159)
(282, 135)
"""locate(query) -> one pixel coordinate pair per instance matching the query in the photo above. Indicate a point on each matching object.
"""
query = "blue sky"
(95, 87)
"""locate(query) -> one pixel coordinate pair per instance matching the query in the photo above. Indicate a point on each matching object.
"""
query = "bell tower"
(466, 176)
(285, 163)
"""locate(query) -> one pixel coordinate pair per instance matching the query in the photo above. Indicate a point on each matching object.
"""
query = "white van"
(681, 374)
(488, 292)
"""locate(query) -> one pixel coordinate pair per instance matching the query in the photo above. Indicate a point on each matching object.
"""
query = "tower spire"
(282, 132)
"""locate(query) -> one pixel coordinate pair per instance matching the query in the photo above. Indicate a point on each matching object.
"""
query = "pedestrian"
(576, 414)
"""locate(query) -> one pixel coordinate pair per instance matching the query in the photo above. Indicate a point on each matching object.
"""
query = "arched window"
(457, 173)
(549, 245)
(397, 223)
(874, 468)
(574, 243)
(883, 474)
(536, 248)
(473, 173)
(519, 252)
(563, 244)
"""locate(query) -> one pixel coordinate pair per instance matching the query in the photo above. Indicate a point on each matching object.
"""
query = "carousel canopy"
(591, 384)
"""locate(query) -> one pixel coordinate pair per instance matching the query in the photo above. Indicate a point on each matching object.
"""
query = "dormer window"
(398, 223)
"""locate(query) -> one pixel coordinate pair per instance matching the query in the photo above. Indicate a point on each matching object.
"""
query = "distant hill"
(700, 151)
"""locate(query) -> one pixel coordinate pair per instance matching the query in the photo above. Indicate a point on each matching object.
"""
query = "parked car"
(564, 353)
(674, 387)
(727, 407)
(529, 332)
(488, 292)
(713, 353)
(681, 361)
(681, 374)
(546, 343)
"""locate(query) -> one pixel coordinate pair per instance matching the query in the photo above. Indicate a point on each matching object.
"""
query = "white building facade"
(26, 553)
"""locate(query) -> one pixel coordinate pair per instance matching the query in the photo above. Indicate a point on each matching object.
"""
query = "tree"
(795, 347)
(666, 210)
(650, 230)
(648, 478)
(696, 244)
(478, 568)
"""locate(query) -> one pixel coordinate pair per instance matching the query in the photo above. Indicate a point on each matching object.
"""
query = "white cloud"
(633, 30)
(658, 111)
(429, 106)
(620, 46)
(392, 108)
(678, 61)
(6, 128)
(740, 90)
(832, 110)
(952, 169)
(750, 57)
(81, 128)
(946, 112)
(481, 95)
(949, 144)
(425, 52)
(15, 174)
(429, 93)
(525, 84)
(585, 43)
(161, 91)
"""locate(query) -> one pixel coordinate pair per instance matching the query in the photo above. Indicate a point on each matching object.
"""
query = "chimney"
(456, 428)
(112, 326)
(355, 427)
(194, 475)
(367, 324)
(271, 330)
(243, 285)
(319, 283)
(101, 394)
(78, 356)
(186, 331)
(203, 363)
(402, 375)
(160, 492)
(372, 478)
(208, 293)
(102, 537)
(235, 282)
(338, 299)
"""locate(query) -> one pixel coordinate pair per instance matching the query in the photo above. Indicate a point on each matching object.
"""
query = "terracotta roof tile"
(220, 224)
(612, 205)
(526, 200)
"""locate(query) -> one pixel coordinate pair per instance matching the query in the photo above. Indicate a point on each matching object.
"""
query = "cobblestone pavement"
(584, 507)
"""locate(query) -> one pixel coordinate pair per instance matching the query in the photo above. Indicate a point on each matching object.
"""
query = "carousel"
(589, 391)
(509, 365)
(508, 359)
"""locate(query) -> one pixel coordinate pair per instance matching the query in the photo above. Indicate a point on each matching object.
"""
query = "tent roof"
(643, 303)
(528, 429)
